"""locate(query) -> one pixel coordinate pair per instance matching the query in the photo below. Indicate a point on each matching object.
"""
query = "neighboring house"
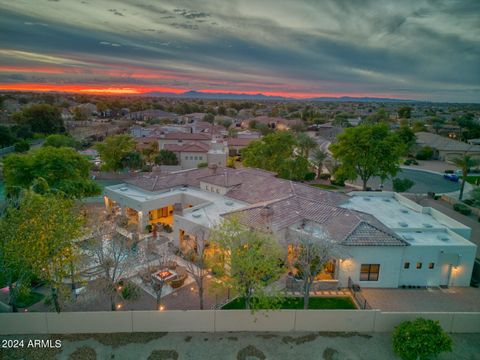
(191, 154)
(236, 145)
(385, 239)
(276, 123)
(193, 117)
(445, 148)
(180, 138)
(151, 114)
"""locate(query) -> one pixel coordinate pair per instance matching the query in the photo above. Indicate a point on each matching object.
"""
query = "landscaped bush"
(324, 176)
(425, 153)
(167, 228)
(130, 291)
(420, 340)
(202, 165)
(448, 171)
(22, 146)
(410, 162)
(469, 201)
(462, 209)
(337, 182)
(309, 176)
(148, 228)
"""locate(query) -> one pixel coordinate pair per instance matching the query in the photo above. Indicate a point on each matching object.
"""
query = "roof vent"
(387, 200)
(403, 224)
(427, 225)
(196, 215)
(443, 237)
(124, 189)
(183, 189)
(408, 237)
(229, 202)
(405, 211)
(366, 198)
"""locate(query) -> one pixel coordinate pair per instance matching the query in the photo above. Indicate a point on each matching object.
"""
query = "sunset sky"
(411, 49)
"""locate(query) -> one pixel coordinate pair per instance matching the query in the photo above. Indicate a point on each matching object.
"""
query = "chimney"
(212, 169)
(266, 213)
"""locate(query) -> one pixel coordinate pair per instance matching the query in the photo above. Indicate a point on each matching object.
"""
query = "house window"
(186, 157)
(419, 265)
(406, 265)
(369, 272)
(431, 265)
(200, 158)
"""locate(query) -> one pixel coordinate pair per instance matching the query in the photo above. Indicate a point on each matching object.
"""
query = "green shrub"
(202, 165)
(130, 291)
(167, 228)
(469, 201)
(462, 209)
(425, 153)
(337, 182)
(420, 339)
(402, 185)
(310, 176)
(22, 146)
(325, 176)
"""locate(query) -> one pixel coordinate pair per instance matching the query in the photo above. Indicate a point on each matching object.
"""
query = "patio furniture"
(178, 281)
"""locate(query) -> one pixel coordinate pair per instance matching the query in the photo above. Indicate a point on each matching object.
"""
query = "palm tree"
(306, 143)
(319, 157)
(465, 163)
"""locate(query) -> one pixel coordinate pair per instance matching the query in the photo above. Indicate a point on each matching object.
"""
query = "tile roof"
(194, 146)
(366, 234)
(442, 143)
(187, 136)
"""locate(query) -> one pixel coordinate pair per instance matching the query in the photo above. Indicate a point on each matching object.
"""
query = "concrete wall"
(226, 320)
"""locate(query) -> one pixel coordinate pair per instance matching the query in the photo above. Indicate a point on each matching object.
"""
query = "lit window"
(369, 272)
(419, 265)
(406, 265)
(431, 265)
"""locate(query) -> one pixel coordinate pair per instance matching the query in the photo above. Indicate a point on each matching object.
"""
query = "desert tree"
(197, 266)
(111, 252)
(249, 259)
(311, 254)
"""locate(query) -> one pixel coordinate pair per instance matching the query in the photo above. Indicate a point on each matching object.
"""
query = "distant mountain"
(220, 96)
(359, 99)
(231, 96)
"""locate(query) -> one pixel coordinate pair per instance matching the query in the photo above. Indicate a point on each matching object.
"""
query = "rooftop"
(416, 224)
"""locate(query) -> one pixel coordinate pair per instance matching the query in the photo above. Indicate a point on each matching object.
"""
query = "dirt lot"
(240, 346)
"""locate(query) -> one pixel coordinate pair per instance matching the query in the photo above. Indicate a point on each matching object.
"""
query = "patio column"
(142, 222)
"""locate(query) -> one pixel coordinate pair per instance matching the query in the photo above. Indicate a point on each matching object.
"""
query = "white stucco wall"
(388, 257)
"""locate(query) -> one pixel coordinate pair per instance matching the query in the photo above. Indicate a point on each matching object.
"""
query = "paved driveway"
(425, 181)
(434, 300)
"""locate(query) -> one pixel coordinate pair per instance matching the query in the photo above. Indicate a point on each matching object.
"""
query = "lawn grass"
(325, 186)
(293, 303)
(25, 301)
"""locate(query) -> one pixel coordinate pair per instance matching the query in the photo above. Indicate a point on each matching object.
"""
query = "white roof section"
(416, 224)
(206, 210)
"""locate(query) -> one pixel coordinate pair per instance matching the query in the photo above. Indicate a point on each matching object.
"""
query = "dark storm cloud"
(426, 48)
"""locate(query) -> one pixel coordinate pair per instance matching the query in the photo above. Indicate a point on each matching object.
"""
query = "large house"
(192, 154)
(386, 239)
(445, 148)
